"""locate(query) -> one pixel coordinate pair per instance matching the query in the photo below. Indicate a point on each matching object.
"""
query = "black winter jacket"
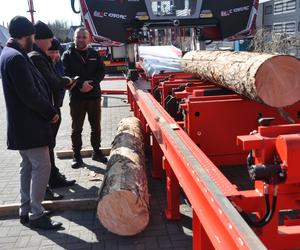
(56, 83)
(91, 68)
(28, 101)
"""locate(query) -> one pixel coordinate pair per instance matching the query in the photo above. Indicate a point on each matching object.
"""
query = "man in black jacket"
(43, 41)
(85, 97)
(29, 117)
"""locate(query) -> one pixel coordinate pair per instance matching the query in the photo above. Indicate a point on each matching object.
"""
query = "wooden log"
(123, 206)
(56, 205)
(68, 154)
(266, 78)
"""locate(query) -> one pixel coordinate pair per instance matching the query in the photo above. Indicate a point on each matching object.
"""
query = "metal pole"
(31, 10)
(131, 55)
(202, 45)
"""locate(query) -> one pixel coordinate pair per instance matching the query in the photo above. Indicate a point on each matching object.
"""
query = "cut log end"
(278, 81)
(130, 217)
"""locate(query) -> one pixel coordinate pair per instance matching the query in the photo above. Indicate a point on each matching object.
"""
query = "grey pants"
(34, 174)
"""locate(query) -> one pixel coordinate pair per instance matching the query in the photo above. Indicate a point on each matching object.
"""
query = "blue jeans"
(34, 175)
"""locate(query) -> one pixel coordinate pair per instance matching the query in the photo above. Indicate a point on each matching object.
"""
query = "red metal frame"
(170, 76)
(203, 184)
(283, 141)
(113, 92)
(114, 78)
(214, 122)
(167, 86)
(190, 150)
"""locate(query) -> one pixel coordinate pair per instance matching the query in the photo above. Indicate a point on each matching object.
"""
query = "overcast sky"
(46, 10)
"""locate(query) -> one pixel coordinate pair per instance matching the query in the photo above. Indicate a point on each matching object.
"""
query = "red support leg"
(157, 171)
(145, 129)
(200, 238)
(147, 135)
(129, 98)
(172, 209)
(135, 109)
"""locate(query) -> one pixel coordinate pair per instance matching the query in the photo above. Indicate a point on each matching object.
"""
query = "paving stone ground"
(82, 229)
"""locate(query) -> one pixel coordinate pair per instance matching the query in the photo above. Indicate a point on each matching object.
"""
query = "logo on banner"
(103, 14)
(233, 11)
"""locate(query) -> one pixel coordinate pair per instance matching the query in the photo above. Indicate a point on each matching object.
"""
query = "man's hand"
(86, 87)
(70, 85)
(55, 119)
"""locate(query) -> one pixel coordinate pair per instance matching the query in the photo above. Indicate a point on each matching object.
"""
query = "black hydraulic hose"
(269, 216)
(73, 7)
(269, 212)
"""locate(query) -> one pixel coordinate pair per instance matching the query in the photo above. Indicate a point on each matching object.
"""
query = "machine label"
(102, 14)
(235, 10)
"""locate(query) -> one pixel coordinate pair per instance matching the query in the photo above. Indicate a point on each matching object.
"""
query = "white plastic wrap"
(156, 59)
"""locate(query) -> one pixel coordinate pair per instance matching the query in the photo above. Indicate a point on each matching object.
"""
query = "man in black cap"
(29, 117)
(43, 41)
(85, 98)
(55, 52)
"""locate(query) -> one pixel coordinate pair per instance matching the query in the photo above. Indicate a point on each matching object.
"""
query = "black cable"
(269, 212)
(73, 7)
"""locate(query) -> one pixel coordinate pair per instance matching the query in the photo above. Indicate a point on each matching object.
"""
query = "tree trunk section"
(123, 206)
(266, 78)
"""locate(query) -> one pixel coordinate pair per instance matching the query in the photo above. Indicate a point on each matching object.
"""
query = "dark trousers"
(54, 170)
(78, 111)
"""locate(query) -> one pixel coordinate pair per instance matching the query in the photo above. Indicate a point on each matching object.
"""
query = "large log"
(123, 206)
(266, 78)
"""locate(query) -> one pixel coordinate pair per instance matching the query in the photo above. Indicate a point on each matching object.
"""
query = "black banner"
(116, 19)
(112, 17)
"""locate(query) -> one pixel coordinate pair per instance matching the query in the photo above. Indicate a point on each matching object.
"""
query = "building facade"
(281, 16)
(4, 35)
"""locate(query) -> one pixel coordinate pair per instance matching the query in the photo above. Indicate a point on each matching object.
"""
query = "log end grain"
(131, 215)
(278, 81)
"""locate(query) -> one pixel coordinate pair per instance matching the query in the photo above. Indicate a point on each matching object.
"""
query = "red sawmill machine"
(201, 133)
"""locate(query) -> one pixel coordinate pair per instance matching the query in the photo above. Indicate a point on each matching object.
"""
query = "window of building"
(290, 5)
(268, 27)
(268, 10)
(278, 8)
(290, 28)
(278, 27)
(283, 6)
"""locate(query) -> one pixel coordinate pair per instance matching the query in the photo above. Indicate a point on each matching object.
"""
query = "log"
(271, 79)
(55, 205)
(68, 154)
(123, 206)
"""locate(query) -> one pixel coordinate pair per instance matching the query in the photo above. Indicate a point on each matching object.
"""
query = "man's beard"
(81, 46)
(28, 45)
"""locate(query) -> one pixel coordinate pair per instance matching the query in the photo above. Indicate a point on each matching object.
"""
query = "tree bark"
(123, 206)
(265, 78)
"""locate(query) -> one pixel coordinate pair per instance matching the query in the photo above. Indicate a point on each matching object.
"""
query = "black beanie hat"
(20, 26)
(55, 45)
(42, 31)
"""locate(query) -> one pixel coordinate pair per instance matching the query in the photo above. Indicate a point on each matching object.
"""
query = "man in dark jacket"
(83, 61)
(43, 41)
(29, 117)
